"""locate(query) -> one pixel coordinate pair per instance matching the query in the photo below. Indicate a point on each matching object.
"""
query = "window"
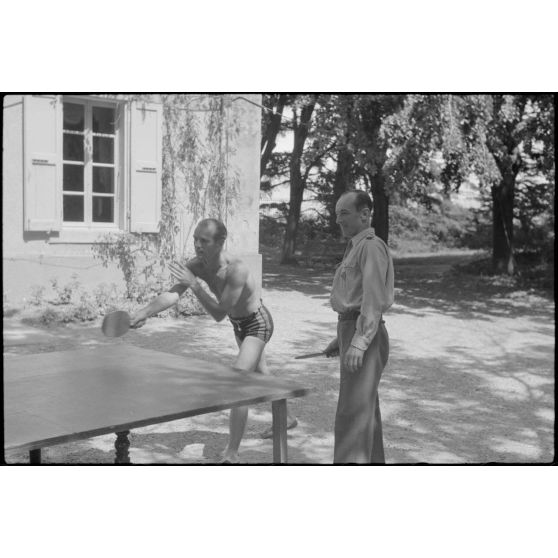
(89, 164)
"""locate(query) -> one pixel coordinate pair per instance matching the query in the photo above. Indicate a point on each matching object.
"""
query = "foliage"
(198, 174)
(85, 305)
(413, 229)
(50, 315)
(64, 293)
(85, 310)
(517, 131)
(37, 294)
(105, 294)
(272, 230)
(407, 148)
(135, 254)
(421, 229)
(198, 177)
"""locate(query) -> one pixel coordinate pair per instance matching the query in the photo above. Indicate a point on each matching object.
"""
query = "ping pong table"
(60, 397)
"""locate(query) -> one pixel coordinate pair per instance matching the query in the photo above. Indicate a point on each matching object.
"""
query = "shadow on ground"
(470, 377)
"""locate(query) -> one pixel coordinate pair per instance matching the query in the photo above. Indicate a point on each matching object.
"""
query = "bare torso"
(216, 279)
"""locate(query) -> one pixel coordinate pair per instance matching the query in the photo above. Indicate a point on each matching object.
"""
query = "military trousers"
(358, 422)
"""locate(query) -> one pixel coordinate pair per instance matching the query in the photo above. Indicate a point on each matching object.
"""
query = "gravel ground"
(470, 377)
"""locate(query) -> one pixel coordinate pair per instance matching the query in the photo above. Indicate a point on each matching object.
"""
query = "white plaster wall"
(12, 175)
(28, 257)
(32, 258)
(242, 214)
(243, 221)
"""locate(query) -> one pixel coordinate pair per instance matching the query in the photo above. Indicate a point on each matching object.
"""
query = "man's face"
(349, 219)
(205, 245)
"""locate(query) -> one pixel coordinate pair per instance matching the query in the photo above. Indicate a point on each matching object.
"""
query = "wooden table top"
(52, 398)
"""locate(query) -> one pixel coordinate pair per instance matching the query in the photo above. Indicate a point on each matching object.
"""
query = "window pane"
(103, 209)
(103, 150)
(73, 117)
(73, 147)
(73, 178)
(73, 208)
(103, 120)
(103, 180)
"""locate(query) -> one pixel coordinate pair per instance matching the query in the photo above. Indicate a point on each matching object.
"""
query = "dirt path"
(470, 377)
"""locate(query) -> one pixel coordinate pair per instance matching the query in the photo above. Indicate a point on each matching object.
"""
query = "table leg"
(122, 444)
(279, 413)
(35, 456)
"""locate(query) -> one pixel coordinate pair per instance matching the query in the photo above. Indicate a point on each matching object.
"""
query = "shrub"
(420, 229)
(272, 231)
(37, 295)
(64, 293)
(105, 294)
(50, 315)
(86, 309)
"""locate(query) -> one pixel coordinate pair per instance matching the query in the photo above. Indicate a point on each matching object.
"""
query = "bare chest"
(216, 281)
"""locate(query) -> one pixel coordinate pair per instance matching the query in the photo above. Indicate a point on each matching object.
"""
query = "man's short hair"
(362, 199)
(220, 231)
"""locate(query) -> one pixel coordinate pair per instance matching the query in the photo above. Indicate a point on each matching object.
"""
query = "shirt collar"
(361, 235)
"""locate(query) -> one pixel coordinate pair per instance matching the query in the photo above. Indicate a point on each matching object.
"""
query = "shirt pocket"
(349, 271)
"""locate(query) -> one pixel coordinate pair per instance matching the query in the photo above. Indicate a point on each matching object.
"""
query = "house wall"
(32, 258)
(243, 218)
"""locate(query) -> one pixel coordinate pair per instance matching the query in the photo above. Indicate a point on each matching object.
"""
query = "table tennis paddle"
(116, 323)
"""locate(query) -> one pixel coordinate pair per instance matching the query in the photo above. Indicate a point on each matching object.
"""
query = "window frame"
(88, 224)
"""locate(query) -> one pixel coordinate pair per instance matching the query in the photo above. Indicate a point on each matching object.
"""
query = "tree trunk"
(380, 216)
(293, 218)
(297, 184)
(502, 225)
(268, 141)
(342, 182)
(345, 160)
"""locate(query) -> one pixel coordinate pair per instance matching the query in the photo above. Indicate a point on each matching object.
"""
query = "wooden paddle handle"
(310, 355)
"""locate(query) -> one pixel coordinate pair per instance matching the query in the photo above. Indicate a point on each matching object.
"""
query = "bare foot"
(229, 459)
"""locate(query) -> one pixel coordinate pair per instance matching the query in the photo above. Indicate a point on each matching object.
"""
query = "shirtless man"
(238, 297)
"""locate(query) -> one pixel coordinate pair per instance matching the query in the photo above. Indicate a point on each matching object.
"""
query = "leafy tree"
(302, 110)
(271, 126)
(514, 139)
(303, 167)
(505, 140)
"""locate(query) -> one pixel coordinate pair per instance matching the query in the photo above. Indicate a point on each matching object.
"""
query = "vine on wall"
(199, 139)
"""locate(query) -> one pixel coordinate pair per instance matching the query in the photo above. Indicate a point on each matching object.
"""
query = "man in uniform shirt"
(362, 291)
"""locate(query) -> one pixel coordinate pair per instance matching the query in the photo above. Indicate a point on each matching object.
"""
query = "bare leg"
(248, 359)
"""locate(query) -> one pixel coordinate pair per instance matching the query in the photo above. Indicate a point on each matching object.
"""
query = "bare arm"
(158, 304)
(235, 281)
(163, 301)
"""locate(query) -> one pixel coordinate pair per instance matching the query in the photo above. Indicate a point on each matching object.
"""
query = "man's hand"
(353, 359)
(138, 320)
(182, 274)
(332, 350)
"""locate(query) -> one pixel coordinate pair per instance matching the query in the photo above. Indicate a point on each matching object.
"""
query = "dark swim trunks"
(259, 324)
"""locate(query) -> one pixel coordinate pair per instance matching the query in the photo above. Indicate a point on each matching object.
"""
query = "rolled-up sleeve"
(377, 291)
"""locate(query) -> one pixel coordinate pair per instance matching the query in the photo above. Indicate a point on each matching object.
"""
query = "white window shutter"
(42, 132)
(146, 164)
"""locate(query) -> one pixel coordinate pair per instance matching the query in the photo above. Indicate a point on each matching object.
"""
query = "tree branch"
(317, 159)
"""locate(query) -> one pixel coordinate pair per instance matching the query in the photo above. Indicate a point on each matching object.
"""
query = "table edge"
(77, 436)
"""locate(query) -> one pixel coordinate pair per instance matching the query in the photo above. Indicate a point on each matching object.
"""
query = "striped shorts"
(258, 324)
